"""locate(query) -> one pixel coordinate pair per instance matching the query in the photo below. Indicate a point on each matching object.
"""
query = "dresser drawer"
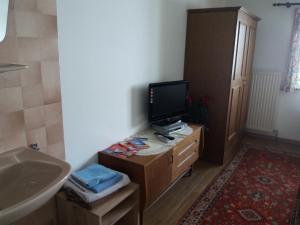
(184, 165)
(185, 153)
(180, 154)
(187, 141)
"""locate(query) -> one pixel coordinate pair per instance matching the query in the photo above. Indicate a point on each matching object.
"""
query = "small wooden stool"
(119, 208)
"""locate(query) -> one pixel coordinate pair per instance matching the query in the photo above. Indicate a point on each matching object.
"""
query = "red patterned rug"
(259, 187)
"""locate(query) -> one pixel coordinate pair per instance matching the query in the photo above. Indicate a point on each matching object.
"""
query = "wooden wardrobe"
(220, 45)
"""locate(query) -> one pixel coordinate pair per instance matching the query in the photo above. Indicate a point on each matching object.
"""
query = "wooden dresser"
(156, 173)
(220, 45)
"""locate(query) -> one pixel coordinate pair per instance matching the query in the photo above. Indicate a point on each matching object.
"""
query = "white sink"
(28, 179)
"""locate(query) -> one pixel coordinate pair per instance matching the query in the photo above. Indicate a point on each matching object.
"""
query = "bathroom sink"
(28, 179)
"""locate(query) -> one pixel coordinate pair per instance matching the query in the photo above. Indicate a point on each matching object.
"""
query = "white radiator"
(263, 104)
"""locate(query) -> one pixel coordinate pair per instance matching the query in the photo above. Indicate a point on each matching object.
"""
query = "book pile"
(127, 148)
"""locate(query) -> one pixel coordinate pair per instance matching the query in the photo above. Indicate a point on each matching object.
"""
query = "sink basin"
(28, 179)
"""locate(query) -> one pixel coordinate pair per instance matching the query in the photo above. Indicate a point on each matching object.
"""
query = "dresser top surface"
(144, 160)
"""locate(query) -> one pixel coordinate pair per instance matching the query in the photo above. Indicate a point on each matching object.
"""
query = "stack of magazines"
(127, 148)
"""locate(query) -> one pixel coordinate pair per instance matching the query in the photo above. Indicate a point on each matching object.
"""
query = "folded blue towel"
(106, 184)
(94, 174)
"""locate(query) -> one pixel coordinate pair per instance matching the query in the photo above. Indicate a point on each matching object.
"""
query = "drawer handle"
(186, 159)
(187, 148)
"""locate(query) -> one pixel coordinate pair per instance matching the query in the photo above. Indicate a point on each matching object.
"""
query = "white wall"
(109, 51)
(272, 47)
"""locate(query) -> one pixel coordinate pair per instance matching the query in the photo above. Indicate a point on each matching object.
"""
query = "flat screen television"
(167, 101)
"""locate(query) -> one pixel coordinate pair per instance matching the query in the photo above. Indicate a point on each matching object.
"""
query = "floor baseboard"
(274, 138)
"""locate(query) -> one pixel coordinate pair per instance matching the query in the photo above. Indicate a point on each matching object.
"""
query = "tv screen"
(167, 100)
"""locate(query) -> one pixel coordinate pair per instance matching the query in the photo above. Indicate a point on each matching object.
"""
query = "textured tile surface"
(32, 96)
(53, 114)
(29, 49)
(10, 100)
(32, 75)
(30, 100)
(9, 50)
(11, 25)
(49, 49)
(47, 7)
(14, 140)
(11, 79)
(37, 136)
(51, 82)
(25, 5)
(54, 133)
(34, 117)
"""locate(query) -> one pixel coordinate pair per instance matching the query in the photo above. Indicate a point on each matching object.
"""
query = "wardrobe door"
(248, 75)
(237, 88)
(210, 44)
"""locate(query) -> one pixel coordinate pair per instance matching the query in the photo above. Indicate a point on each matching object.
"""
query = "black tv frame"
(173, 117)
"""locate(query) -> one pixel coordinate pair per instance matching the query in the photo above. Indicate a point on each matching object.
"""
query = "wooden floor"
(169, 208)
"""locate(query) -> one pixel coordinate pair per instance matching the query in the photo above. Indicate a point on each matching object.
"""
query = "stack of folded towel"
(96, 181)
